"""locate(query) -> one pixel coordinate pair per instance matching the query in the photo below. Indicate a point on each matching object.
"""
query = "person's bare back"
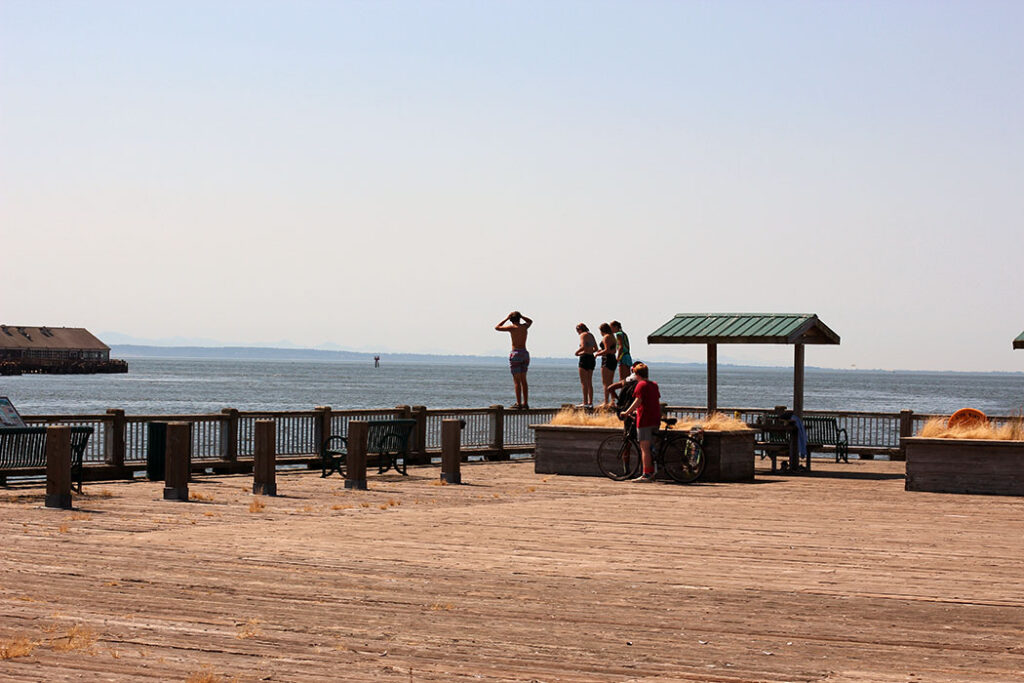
(519, 359)
(517, 328)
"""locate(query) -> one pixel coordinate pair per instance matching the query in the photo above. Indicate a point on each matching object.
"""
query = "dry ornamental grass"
(937, 428)
(571, 417)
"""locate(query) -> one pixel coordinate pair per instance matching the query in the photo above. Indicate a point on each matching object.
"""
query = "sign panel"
(9, 416)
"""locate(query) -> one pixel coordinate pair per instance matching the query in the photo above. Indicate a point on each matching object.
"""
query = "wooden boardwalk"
(837, 576)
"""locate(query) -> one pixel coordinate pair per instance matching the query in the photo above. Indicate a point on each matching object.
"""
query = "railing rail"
(122, 440)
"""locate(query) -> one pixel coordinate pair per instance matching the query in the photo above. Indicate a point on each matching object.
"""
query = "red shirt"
(648, 412)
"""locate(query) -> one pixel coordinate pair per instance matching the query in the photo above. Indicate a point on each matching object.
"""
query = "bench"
(774, 440)
(386, 439)
(825, 431)
(777, 432)
(23, 451)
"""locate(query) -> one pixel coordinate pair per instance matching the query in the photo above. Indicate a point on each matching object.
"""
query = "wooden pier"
(840, 575)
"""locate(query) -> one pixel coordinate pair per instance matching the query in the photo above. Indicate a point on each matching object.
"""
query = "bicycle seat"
(669, 421)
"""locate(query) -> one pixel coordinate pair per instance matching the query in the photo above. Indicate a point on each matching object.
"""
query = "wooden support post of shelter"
(355, 461)
(178, 461)
(264, 469)
(712, 378)
(451, 451)
(58, 467)
(713, 329)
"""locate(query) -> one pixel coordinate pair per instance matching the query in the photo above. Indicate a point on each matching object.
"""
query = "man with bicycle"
(646, 406)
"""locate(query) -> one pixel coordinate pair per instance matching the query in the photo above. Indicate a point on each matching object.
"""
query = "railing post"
(58, 467)
(419, 449)
(321, 426)
(264, 470)
(179, 461)
(229, 434)
(451, 451)
(499, 432)
(115, 427)
(355, 462)
(906, 429)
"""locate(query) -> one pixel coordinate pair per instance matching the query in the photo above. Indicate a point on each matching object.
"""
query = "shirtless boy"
(519, 359)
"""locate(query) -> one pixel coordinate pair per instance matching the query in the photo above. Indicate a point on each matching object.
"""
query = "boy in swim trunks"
(621, 349)
(519, 359)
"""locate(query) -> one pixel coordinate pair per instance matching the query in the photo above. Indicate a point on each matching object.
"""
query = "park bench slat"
(23, 451)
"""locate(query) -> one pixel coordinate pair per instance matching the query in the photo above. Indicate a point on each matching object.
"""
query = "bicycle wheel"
(618, 458)
(683, 458)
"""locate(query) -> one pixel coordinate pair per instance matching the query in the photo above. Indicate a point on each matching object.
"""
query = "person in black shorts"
(588, 346)
(607, 353)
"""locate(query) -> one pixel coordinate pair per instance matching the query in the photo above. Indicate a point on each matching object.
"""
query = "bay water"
(162, 386)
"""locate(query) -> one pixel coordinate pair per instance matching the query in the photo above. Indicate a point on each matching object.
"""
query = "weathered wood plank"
(838, 575)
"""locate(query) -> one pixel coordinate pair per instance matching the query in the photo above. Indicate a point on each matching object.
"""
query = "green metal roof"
(1018, 343)
(744, 328)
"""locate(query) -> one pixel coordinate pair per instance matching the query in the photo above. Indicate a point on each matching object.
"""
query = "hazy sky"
(397, 176)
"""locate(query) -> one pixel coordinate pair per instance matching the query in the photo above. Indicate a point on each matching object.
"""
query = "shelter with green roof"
(798, 329)
(1018, 343)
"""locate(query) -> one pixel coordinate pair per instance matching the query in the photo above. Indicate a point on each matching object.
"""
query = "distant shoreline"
(130, 351)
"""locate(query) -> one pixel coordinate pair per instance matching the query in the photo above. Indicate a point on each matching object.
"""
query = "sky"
(398, 176)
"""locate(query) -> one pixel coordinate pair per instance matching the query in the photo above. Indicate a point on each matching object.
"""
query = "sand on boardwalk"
(840, 575)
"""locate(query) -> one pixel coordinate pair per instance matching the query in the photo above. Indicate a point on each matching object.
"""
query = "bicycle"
(678, 454)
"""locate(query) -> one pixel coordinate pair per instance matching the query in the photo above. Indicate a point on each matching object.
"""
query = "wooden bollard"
(264, 471)
(451, 451)
(58, 467)
(355, 461)
(178, 466)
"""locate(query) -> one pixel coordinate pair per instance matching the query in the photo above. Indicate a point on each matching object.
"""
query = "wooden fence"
(224, 441)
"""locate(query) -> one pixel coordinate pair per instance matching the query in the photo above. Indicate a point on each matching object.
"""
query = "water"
(175, 386)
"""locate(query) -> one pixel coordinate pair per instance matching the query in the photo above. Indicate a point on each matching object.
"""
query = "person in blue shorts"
(517, 324)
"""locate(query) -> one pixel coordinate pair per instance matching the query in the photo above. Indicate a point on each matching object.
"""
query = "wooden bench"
(388, 440)
(825, 431)
(23, 451)
(774, 440)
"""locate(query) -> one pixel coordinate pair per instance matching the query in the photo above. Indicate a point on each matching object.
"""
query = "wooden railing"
(120, 441)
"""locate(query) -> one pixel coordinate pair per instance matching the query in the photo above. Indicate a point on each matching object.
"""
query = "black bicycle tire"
(682, 456)
(610, 458)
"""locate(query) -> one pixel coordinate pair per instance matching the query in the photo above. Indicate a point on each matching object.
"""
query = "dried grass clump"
(250, 629)
(17, 647)
(937, 428)
(207, 676)
(78, 637)
(570, 417)
(257, 505)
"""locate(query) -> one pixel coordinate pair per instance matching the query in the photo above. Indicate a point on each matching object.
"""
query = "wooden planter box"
(573, 450)
(964, 466)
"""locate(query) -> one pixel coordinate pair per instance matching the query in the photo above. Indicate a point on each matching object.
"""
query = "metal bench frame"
(825, 431)
(386, 439)
(23, 451)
